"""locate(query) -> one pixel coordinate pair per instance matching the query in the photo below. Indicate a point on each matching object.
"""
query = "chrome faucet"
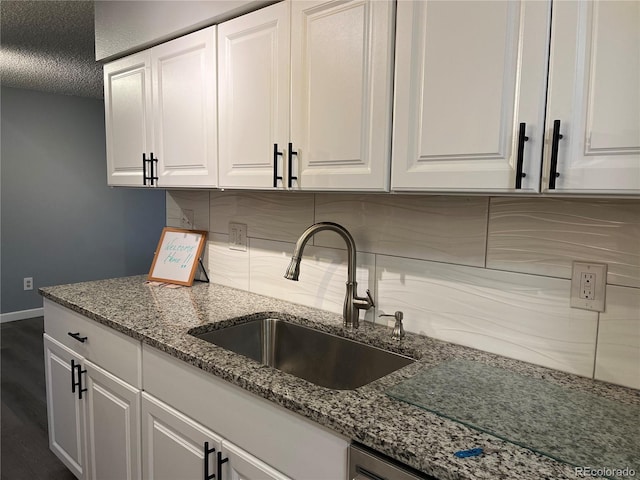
(352, 302)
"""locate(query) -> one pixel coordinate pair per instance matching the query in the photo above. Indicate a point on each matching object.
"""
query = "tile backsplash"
(543, 237)
(490, 273)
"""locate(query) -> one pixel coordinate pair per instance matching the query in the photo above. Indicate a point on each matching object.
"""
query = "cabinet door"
(173, 444)
(113, 426)
(127, 103)
(341, 87)
(253, 96)
(243, 466)
(184, 110)
(594, 91)
(65, 411)
(468, 73)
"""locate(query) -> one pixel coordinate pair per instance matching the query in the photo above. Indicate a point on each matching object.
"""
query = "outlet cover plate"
(599, 270)
(187, 219)
(238, 236)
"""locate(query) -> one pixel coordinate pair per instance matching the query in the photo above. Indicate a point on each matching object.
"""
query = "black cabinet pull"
(555, 140)
(208, 451)
(276, 154)
(76, 367)
(521, 139)
(73, 376)
(80, 389)
(290, 177)
(144, 169)
(154, 163)
(220, 462)
(77, 336)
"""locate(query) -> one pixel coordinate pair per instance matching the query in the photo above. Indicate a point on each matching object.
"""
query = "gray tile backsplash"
(490, 273)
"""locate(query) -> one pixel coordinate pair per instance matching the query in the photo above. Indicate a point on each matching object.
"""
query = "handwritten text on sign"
(178, 254)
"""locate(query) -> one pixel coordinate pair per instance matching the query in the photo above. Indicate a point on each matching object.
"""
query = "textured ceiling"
(49, 46)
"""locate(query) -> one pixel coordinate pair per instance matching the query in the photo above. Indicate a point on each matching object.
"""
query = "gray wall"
(127, 26)
(60, 223)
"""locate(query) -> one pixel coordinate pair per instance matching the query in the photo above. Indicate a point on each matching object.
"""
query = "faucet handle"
(363, 303)
(371, 302)
(398, 329)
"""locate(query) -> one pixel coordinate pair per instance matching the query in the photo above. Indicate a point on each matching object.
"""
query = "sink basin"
(318, 357)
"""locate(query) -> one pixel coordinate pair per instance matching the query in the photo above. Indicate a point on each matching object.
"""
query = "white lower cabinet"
(93, 396)
(260, 439)
(112, 423)
(65, 410)
(186, 424)
(240, 465)
(94, 417)
(175, 446)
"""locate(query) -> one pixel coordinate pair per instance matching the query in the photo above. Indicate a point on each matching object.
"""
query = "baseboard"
(21, 315)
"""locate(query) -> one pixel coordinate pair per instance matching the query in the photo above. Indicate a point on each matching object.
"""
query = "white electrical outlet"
(28, 283)
(588, 286)
(238, 236)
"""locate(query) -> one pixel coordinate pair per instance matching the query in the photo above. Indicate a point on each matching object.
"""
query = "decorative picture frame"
(177, 256)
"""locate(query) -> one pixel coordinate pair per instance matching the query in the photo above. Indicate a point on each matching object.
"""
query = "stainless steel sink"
(318, 357)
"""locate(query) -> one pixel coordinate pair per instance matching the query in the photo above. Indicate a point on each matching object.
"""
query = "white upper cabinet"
(184, 110)
(128, 117)
(488, 97)
(341, 88)
(330, 128)
(253, 82)
(470, 90)
(594, 98)
(163, 102)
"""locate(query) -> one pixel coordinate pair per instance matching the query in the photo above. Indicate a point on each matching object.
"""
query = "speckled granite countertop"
(161, 317)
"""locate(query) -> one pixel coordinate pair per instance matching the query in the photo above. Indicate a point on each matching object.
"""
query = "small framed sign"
(177, 256)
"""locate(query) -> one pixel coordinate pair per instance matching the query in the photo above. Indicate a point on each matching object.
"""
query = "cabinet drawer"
(111, 350)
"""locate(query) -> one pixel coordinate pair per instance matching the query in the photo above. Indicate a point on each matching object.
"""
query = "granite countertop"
(162, 317)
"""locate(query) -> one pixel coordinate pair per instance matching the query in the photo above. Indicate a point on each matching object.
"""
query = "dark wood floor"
(24, 450)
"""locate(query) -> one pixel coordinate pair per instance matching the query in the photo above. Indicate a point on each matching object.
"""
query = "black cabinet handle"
(290, 177)
(555, 140)
(220, 462)
(76, 367)
(276, 154)
(77, 336)
(520, 160)
(73, 376)
(208, 451)
(144, 169)
(80, 389)
(153, 162)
